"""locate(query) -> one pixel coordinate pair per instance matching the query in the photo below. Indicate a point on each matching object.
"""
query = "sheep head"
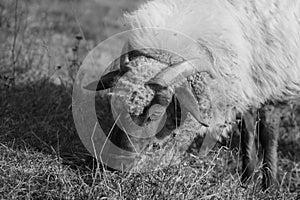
(146, 90)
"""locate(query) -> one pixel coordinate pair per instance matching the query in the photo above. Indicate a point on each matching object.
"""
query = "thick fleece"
(253, 45)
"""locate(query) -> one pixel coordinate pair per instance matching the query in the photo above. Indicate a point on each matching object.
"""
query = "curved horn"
(105, 82)
(190, 103)
(176, 73)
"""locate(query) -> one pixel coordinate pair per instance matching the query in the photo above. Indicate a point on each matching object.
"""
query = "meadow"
(42, 45)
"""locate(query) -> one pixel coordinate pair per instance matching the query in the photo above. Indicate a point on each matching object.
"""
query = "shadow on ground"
(38, 116)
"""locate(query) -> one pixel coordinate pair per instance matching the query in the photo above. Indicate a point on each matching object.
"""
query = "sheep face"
(132, 95)
(150, 97)
(142, 110)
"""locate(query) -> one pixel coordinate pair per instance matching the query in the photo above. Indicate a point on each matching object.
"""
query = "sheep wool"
(131, 88)
(253, 45)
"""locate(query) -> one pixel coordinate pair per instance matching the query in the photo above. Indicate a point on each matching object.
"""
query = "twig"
(13, 59)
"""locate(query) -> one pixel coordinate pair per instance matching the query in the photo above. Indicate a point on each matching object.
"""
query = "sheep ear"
(106, 81)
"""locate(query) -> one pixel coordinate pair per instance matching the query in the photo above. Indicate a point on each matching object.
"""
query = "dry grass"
(42, 157)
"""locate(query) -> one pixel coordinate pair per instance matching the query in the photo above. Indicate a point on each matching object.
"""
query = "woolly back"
(253, 45)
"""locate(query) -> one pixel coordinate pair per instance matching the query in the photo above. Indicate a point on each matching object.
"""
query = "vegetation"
(41, 155)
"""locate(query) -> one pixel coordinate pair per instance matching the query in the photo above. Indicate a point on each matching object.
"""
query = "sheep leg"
(248, 149)
(268, 137)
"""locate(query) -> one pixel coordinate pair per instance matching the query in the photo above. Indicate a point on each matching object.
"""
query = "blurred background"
(42, 45)
(39, 37)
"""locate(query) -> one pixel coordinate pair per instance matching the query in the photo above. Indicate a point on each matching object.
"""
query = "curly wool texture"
(131, 88)
(197, 83)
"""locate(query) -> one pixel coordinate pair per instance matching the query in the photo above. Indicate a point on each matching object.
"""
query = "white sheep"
(249, 48)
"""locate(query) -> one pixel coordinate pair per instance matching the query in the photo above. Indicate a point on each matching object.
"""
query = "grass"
(43, 158)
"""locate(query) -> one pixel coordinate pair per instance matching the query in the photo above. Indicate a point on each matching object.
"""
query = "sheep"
(245, 53)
